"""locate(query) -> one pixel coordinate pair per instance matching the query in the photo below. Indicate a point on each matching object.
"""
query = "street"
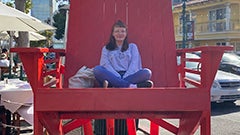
(225, 120)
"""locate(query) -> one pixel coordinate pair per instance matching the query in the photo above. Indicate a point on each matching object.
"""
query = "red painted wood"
(111, 99)
(147, 22)
(74, 124)
(151, 27)
(131, 127)
(110, 126)
(206, 123)
(189, 123)
(121, 103)
(51, 122)
(38, 127)
(170, 127)
(89, 29)
(154, 128)
(88, 129)
(121, 7)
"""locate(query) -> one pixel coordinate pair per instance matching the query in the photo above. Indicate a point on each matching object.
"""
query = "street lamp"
(184, 33)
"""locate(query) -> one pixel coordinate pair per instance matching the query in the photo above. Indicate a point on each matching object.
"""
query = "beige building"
(215, 22)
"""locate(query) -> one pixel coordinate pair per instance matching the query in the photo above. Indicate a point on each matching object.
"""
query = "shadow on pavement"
(224, 108)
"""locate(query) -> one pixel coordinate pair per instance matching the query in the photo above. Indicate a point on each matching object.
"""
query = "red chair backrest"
(150, 26)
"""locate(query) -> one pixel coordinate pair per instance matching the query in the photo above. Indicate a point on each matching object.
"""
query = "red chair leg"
(87, 128)
(154, 129)
(205, 125)
(110, 126)
(131, 126)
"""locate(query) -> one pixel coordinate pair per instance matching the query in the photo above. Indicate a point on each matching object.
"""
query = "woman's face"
(119, 33)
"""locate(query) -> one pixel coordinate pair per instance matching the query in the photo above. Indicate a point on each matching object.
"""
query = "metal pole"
(184, 34)
(66, 29)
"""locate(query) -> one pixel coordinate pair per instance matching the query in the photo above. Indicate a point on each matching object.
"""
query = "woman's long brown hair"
(112, 42)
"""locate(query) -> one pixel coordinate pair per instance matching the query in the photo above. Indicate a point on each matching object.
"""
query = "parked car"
(230, 63)
(225, 87)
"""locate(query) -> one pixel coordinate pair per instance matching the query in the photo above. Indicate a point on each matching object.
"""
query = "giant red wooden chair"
(150, 26)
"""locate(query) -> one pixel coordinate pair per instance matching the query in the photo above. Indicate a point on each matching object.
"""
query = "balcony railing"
(212, 27)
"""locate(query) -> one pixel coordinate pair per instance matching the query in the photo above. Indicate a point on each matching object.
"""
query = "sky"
(5, 0)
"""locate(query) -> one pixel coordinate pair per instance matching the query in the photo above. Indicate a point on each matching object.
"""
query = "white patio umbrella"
(14, 20)
(33, 36)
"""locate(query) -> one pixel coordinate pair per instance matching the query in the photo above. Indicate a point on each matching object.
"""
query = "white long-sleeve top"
(114, 61)
(4, 63)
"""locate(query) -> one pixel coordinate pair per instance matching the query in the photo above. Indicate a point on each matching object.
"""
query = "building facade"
(175, 2)
(43, 10)
(212, 22)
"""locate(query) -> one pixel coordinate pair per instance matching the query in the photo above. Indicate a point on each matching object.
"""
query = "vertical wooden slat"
(131, 127)
(121, 10)
(154, 130)
(86, 34)
(150, 26)
(110, 126)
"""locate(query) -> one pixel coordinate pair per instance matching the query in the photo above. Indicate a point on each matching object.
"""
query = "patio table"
(17, 96)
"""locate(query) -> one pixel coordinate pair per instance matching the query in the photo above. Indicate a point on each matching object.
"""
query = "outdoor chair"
(150, 26)
(12, 72)
(4, 72)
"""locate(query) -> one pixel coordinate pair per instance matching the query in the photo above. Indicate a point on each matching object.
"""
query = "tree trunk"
(23, 39)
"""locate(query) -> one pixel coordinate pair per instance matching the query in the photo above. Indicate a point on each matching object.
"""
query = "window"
(187, 18)
(217, 14)
(181, 21)
(237, 46)
(221, 43)
(178, 46)
(179, 1)
(217, 20)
